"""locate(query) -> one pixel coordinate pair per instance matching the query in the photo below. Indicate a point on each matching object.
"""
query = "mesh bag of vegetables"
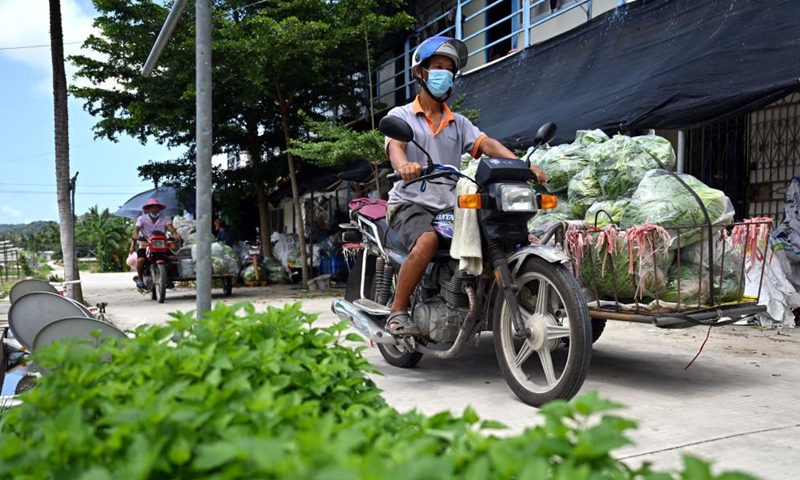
(542, 222)
(561, 163)
(693, 282)
(662, 200)
(583, 191)
(728, 266)
(621, 265)
(588, 138)
(622, 162)
(606, 212)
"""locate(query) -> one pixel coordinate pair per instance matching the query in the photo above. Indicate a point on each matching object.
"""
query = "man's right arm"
(397, 155)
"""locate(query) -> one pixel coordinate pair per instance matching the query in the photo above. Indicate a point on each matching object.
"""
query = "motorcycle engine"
(437, 320)
(440, 316)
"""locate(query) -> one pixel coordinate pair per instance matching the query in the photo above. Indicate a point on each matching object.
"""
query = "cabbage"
(620, 163)
(662, 200)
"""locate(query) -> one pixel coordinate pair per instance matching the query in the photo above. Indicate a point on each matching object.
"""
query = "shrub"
(242, 394)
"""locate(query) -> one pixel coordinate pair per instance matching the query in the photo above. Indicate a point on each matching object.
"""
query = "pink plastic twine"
(752, 236)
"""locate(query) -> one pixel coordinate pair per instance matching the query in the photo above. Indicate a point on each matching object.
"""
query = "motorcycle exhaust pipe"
(363, 323)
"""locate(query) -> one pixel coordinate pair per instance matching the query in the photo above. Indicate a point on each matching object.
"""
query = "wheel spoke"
(557, 331)
(524, 352)
(542, 298)
(547, 365)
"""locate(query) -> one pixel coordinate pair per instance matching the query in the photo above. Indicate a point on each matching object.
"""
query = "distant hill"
(24, 229)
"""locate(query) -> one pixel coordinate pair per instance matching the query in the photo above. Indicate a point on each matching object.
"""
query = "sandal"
(399, 323)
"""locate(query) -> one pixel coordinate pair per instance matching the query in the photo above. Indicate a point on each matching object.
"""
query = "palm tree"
(106, 235)
(61, 116)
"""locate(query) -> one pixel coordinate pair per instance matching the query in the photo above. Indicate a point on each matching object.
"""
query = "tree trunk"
(263, 219)
(298, 207)
(254, 149)
(61, 117)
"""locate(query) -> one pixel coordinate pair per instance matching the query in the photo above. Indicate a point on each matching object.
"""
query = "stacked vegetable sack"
(615, 185)
(223, 257)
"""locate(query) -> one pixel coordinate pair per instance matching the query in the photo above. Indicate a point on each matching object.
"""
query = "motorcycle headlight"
(159, 244)
(516, 198)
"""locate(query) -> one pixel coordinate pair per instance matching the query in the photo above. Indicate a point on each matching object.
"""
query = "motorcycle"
(526, 296)
(158, 267)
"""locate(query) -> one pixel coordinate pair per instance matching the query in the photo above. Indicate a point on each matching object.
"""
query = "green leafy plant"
(243, 394)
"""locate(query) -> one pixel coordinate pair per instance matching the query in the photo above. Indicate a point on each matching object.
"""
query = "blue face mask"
(439, 82)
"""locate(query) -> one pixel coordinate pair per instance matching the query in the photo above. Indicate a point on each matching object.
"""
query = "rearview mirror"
(396, 128)
(545, 134)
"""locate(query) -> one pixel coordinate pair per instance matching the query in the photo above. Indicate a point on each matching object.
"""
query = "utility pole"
(203, 133)
(72, 183)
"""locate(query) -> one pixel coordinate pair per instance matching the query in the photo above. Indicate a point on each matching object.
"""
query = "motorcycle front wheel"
(160, 282)
(552, 308)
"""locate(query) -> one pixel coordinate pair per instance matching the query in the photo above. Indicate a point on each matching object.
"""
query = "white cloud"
(11, 211)
(27, 22)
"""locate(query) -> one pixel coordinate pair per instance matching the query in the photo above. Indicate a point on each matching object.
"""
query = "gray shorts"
(410, 221)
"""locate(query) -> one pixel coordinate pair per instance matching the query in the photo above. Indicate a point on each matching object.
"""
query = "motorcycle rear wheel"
(160, 282)
(395, 355)
(552, 309)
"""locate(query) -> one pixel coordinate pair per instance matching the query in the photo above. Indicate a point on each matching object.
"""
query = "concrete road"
(737, 405)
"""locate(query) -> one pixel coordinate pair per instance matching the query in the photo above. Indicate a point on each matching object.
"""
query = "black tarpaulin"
(649, 64)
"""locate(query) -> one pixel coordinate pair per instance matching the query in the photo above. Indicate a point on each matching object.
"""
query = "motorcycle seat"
(390, 238)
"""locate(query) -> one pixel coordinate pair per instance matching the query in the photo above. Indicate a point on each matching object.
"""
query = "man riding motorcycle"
(150, 221)
(446, 136)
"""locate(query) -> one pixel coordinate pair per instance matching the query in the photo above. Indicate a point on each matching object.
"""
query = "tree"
(337, 145)
(65, 214)
(107, 236)
(270, 59)
(308, 61)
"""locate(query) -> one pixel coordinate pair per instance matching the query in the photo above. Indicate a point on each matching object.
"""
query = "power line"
(77, 192)
(16, 184)
(39, 155)
(35, 46)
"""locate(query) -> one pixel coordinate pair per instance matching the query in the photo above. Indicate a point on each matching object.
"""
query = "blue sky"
(108, 175)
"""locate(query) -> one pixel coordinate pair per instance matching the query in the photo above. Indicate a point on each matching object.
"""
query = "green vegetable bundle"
(542, 222)
(622, 266)
(588, 138)
(561, 163)
(660, 199)
(622, 162)
(606, 212)
(583, 191)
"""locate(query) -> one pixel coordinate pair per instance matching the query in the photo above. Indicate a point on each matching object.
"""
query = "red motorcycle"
(159, 267)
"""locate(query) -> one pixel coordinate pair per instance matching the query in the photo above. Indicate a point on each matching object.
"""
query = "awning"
(311, 178)
(649, 64)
